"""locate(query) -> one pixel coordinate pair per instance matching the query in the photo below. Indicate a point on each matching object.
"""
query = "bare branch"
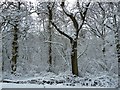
(82, 52)
(71, 16)
(83, 18)
(94, 30)
(61, 32)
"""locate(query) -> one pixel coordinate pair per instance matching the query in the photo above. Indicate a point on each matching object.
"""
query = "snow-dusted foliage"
(97, 54)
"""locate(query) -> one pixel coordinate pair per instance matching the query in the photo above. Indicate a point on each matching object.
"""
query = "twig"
(82, 52)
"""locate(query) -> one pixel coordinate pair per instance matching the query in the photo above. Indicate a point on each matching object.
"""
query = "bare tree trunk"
(103, 54)
(103, 47)
(50, 36)
(14, 50)
(74, 61)
(117, 38)
(15, 42)
(117, 42)
(50, 47)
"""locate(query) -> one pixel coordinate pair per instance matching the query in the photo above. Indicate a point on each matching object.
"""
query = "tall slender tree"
(50, 17)
(15, 44)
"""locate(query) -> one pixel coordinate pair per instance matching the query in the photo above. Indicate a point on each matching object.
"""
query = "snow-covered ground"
(12, 85)
(63, 80)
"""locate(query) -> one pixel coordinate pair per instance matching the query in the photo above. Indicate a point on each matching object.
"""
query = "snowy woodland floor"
(63, 80)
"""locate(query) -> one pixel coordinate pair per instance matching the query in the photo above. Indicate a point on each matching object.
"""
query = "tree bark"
(117, 42)
(14, 50)
(117, 38)
(74, 61)
(15, 43)
(50, 46)
(50, 36)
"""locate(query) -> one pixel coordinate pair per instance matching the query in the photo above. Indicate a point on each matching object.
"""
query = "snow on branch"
(62, 55)
(61, 32)
(53, 42)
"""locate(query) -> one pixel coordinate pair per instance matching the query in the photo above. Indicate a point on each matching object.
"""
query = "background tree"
(116, 27)
(96, 21)
(14, 15)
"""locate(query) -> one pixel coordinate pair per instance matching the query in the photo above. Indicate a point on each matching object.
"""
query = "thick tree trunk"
(14, 50)
(74, 61)
(15, 44)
